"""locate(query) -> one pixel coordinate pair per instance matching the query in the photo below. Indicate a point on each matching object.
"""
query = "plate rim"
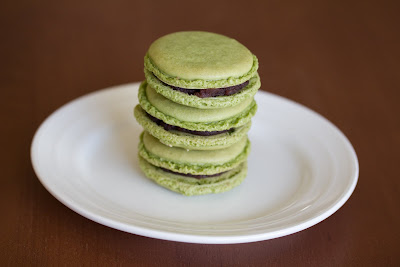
(194, 238)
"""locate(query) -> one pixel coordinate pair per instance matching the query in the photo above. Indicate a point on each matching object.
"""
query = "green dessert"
(187, 140)
(200, 60)
(195, 119)
(215, 167)
(196, 106)
(196, 162)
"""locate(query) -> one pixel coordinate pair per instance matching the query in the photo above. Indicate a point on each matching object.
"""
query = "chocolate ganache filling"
(211, 92)
(169, 127)
(192, 175)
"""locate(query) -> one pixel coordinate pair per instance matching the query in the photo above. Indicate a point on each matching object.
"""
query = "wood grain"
(338, 58)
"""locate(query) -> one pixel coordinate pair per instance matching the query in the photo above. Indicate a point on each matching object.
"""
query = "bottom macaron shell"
(191, 186)
(190, 141)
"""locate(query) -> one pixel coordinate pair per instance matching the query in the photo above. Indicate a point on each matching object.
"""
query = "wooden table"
(340, 58)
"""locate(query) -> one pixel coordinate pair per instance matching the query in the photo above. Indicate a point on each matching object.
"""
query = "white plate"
(301, 170)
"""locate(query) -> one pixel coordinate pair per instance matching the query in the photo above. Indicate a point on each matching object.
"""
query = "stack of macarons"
(196, 106)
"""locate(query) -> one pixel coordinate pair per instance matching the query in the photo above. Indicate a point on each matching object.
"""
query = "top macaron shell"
(200, 60)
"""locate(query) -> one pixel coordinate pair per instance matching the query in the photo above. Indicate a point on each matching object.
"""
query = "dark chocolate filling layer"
(211, 92)
(192, 175)
(169, 127)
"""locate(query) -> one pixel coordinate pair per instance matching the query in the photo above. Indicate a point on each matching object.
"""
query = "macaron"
(193, 172)
(193, 128)
(174, 138)
(200, 60)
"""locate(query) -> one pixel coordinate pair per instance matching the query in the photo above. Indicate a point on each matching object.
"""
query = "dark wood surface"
(340, 58)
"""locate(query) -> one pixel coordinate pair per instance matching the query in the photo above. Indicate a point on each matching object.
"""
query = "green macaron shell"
(177, 154)
(199, 83)
(203, 103)
(191, 186)
(200, 60)
(219, 125)
(192, 161)
(190, 141)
